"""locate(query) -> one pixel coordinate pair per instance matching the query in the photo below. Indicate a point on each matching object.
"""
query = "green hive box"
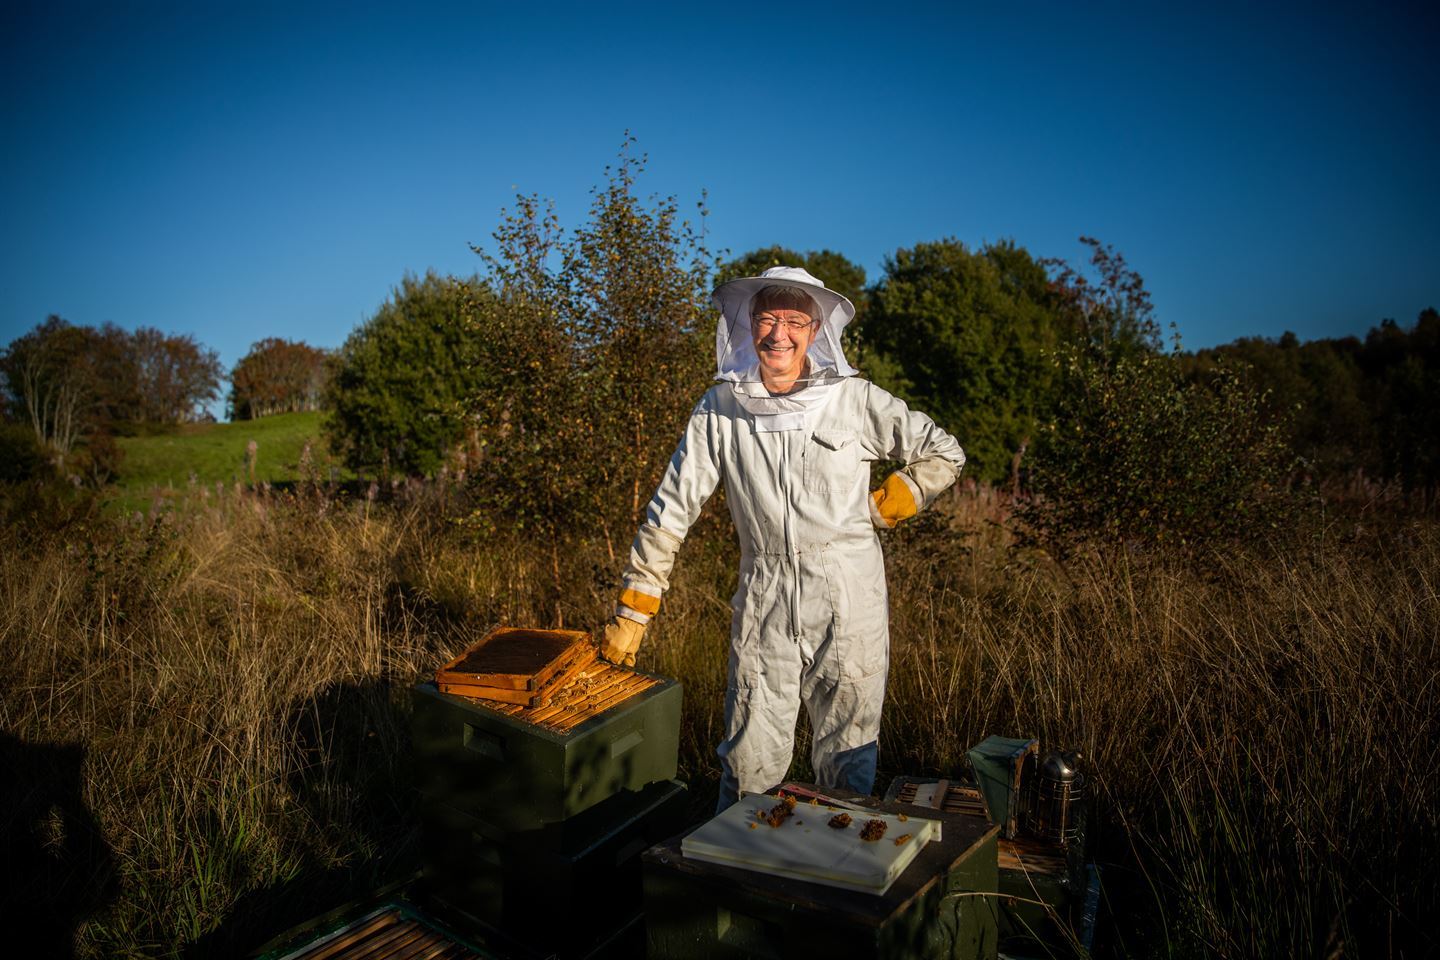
(1042, 896)
(942, 906)
(564, 891)
(517, 776)
(1043, 886)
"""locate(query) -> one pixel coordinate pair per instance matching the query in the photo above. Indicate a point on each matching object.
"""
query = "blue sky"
(237, 171)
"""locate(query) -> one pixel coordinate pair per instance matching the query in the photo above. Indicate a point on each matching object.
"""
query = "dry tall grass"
(1259, 725)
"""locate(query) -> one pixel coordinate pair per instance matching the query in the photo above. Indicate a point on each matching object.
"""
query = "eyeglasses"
(765, 323)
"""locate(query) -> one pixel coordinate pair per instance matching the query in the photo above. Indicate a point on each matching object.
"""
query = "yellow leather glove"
(620, 639)
(896, 500)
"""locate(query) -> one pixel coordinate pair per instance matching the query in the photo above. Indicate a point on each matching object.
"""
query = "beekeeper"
(792, 432)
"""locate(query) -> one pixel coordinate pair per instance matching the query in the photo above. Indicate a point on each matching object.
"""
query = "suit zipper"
(792, 553)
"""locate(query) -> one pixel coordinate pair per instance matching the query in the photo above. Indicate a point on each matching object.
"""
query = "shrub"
(396, 386)
(1138, 451)
(22, 459)
(595, 348)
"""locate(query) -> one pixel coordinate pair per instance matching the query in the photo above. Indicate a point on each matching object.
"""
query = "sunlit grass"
(1257, 723)
(165, 466)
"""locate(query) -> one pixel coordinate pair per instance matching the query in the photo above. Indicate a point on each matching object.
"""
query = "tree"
(1108, 311)
(1317, 387)
(147, 376)
(1135, 449)
(595, 346)
(276, 376)
(966, 336)
(51, 376)
(396, 385)
(1403, 369)
(73, 384)
(637, 279)
(1370, 407)
(175, 376)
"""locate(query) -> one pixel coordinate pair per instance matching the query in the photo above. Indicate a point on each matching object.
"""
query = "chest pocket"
(833, 459)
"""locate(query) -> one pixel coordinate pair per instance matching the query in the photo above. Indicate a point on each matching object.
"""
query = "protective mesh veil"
(735, 357)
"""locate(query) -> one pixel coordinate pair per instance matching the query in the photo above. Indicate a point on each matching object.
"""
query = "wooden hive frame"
(517, 665)
(594, 688)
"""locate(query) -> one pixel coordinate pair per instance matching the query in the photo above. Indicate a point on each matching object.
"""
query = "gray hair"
(779, 296)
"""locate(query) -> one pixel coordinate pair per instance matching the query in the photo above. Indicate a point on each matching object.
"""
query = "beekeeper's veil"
(735, 358)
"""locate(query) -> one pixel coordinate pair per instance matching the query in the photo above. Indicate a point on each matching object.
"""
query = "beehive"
(936, 908)
(1042, 885)
(586, 869)
(519, 768)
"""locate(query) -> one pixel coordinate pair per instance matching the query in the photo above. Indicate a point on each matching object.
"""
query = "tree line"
(558, 376)
(67, 390)
(1357, 404)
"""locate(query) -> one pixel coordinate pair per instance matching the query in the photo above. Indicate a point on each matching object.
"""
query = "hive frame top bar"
(513, 658)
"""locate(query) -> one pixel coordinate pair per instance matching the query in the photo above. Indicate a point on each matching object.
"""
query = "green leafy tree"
(637, 278)
(1403, 367)
(1318, 388)
(394, 396)
(530, 409)
(596, 347)
(1366, 407)
(967, 337)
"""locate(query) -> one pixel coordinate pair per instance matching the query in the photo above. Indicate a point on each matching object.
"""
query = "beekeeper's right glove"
(620, 639)
(639, 601)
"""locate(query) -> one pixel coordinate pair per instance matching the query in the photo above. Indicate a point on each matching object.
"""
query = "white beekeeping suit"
(810, 619)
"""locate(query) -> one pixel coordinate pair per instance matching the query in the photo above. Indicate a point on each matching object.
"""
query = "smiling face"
(781, 339)
(782, 332)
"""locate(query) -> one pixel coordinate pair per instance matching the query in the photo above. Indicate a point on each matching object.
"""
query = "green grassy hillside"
(164, 465)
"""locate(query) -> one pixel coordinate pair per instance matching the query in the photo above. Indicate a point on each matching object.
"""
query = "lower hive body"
(565, 888)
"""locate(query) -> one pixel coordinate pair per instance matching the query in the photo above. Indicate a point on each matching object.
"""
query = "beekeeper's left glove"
(897, 499)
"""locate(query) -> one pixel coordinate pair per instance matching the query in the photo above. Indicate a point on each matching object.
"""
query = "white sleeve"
(933, 458)
(690, 478)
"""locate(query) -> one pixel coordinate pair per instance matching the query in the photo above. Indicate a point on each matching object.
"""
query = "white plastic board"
(805, 847)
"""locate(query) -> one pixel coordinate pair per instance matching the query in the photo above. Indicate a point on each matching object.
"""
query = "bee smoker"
(1055, 810)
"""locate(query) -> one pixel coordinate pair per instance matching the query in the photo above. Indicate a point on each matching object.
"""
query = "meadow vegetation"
(231, 675)
(165, 464)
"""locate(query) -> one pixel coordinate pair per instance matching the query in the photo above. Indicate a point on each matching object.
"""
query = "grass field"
(207, 708)
(205, 454)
